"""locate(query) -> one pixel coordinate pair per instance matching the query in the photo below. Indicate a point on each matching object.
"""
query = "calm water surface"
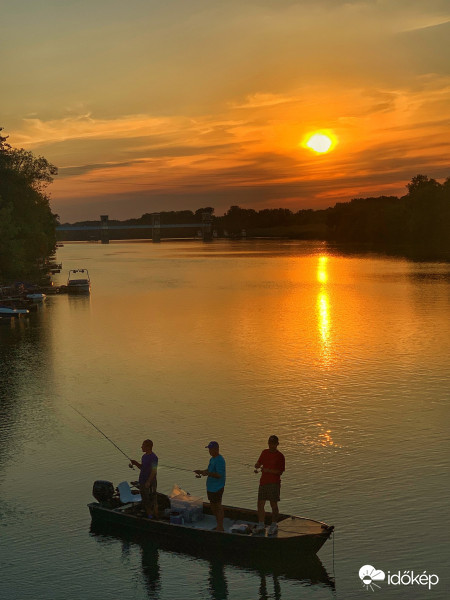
(344, 357)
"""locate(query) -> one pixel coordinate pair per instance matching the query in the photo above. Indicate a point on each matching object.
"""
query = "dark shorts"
(215, 497)
(148, 494)
(269, 491)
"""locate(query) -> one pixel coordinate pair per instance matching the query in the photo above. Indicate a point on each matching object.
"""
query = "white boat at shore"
(36, 297)
(78, 284)
(13, 312)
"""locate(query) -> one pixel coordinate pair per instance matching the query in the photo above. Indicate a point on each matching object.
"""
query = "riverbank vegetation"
(27, 225)
(417, 223)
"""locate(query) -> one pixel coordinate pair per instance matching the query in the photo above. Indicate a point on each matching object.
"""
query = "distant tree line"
(418, 221)
(27, 225)
(270, 222)
(280, 222)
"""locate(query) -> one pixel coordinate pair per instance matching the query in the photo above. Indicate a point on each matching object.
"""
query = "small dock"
(53, 289)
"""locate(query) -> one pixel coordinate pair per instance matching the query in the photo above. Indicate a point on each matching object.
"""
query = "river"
(344, 356)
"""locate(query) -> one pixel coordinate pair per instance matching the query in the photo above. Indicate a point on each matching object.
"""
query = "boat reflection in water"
(306, 570)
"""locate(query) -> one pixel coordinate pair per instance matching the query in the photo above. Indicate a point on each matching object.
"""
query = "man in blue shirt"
(215, 482)
(147, 478)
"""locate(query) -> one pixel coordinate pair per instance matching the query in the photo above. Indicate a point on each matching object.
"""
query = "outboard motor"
(103, 491)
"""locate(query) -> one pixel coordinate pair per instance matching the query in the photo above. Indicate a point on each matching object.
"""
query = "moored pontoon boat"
(77, 284)
(13, 312)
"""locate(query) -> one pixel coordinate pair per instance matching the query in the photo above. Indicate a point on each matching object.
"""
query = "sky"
(148, 106)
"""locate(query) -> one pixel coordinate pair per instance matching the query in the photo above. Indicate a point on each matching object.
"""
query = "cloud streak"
(197, 100)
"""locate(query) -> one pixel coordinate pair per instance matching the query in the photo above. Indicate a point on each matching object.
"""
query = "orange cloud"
(385, 137)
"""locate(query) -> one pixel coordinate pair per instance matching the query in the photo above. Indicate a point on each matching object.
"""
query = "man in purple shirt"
(147, 478)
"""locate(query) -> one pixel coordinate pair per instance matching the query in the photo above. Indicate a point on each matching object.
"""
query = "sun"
(320, 142)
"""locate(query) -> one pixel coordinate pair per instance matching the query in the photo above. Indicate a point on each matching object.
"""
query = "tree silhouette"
(27, 225)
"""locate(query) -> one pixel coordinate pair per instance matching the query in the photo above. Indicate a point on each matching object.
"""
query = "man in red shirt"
(272, 466)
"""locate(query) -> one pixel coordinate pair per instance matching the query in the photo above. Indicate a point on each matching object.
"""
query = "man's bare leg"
(275, 511)
(261, 511)
(217, 510)
(219, 517)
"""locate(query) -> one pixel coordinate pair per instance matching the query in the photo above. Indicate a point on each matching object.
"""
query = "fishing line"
(126, 455)
(176, 468)
(103, 434)
(119, 449)
(334, 572)
(251, 466)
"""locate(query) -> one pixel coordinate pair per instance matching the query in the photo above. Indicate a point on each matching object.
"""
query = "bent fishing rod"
(103, 434)
(116, 446)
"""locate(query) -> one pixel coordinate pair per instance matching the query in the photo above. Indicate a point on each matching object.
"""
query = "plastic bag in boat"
(190, 507)
(177, 491)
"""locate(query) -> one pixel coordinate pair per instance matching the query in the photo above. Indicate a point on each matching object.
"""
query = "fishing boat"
(78, 282)
(295, 535)
(309, 570)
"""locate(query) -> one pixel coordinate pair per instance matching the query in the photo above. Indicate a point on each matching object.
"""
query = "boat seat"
(126, 494)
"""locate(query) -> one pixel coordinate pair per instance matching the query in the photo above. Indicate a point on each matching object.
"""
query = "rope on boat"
(333, 534)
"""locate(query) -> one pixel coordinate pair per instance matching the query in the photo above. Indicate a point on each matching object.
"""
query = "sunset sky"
(147, 106)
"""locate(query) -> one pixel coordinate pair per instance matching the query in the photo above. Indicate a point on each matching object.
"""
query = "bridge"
(104, 227)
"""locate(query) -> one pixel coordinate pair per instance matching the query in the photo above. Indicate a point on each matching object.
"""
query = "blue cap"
(212, 445)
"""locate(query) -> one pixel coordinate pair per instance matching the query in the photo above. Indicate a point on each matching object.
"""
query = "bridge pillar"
(104, 233)
(207, 233)
(156, 227)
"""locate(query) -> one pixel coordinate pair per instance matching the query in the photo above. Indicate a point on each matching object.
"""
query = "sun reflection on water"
(323, 310)
(323, 313)
(325, 436)
(322, 274)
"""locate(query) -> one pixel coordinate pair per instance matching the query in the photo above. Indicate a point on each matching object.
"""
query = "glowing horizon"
(153, 109)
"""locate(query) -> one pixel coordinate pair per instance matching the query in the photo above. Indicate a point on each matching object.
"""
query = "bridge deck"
(110, 227)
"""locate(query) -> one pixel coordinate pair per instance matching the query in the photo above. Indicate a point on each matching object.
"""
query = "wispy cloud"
(161, 101)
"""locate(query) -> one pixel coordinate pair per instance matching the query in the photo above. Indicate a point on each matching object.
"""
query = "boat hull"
(307, 569)
(13, 312)
(36, 297)
(277, 547)
(80, 288)
(78, 281)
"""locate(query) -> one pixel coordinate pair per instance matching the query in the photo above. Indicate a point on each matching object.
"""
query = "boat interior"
(236, 520)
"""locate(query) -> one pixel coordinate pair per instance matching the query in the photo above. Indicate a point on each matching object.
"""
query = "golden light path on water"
(323, 312)
(344, 356)
(323, 325)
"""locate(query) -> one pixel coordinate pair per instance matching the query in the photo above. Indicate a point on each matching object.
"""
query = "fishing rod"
(126, 456)
(104, 435)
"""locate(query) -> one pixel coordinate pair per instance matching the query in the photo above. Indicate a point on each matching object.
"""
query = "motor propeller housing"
(103, 491)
